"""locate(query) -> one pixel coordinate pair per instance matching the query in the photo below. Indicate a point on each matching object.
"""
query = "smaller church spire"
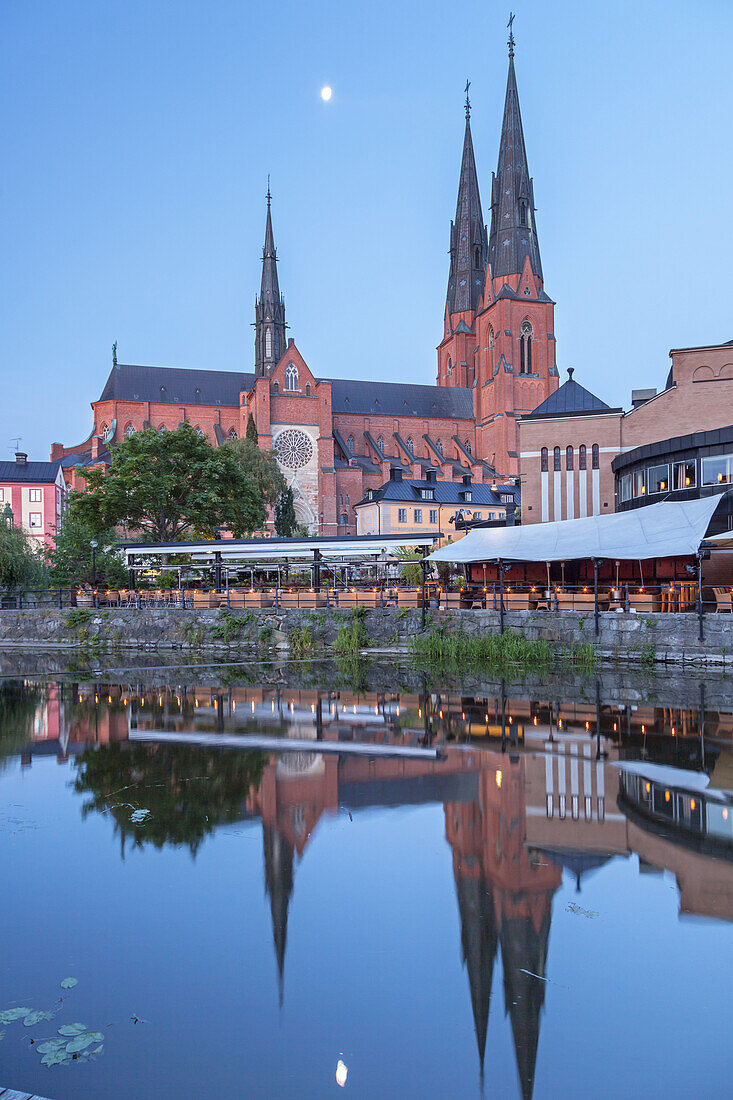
(270, 306)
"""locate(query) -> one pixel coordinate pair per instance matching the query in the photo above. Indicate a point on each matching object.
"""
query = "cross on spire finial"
(269, 196)
(468, 101)
(510, 43)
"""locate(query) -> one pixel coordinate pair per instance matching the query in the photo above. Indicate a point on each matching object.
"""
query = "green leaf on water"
(50, 1045)
(75, 1045)
(2, 1036)
(34, 1018)
(54, 1058)
(95, 1036)
(10, 1015)
(69, 983)
(72, 1029)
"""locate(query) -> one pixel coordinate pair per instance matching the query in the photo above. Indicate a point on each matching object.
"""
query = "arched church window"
(347, 498)
(233, 433)
(350, 445)
(344, 519)
(162, 429)
(291, 377)
(307, 389)
(130, 430)
(525, 348)
(380, 444)
(103, 430)
(595, 456)
(341, 499)
(200, 432)
(410, 445)
(467, 446)
(449, 368)
(556, 459)
(268, 343)
(543, 460)
(491, 348)
(275, 387)
(522, 213)
(568, 458)
(581, 456)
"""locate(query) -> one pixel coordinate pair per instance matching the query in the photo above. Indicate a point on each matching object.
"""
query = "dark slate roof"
(570, 399)
(446, 492)
(400, 399)
(175, 385)
(84, 458)
(32, 471)
(218, 387)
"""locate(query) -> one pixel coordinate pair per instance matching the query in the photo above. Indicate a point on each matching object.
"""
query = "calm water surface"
(538, 905)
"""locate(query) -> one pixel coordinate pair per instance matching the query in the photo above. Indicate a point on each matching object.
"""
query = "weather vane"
(268, 191)
(468, 101)
(511, 34)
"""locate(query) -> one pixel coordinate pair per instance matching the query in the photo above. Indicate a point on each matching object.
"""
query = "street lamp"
(94, 544)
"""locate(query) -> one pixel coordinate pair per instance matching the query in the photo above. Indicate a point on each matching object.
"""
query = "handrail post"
(595, 595)
(699, 597)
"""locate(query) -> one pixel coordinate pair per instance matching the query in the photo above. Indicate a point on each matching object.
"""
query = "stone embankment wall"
(644, 638)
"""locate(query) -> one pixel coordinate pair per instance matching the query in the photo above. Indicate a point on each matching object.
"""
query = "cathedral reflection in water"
(529, 790)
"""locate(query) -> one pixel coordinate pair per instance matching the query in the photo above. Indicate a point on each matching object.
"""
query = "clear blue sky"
(138, 135)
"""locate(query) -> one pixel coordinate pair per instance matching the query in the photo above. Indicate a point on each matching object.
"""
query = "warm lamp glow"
(498, 777)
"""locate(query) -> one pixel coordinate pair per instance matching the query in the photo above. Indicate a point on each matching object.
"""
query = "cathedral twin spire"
(512, 237)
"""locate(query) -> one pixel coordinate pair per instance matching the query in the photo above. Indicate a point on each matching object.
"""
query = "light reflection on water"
(419, 920)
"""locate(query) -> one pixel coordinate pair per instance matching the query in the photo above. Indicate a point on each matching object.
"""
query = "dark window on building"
(595, 457)
(543, 460)
(568, 458)
(344, 519)
(556, 459)
(275, 387)
(522, 213)
(581, 456)
(433, 515)
(350, 444)
(307, 389)
(525, 348)
(684, 475)
(657, 479)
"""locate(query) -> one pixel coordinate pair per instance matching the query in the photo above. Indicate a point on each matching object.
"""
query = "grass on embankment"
(507, 649)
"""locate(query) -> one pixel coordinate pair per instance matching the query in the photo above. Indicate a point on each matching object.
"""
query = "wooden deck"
(13, 1094)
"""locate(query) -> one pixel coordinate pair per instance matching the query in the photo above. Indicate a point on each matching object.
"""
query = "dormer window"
(291, 377)
(427, 494)
(467, 495)
(370, 494)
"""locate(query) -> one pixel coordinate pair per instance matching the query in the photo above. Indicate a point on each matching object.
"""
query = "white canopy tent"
(665, 530)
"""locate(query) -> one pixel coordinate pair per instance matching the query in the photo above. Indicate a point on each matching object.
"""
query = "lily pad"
(55, 1058)
(95, 1036)
(72, 1029)
(50, 1045)
(10, 1015)
(69, 983)
(34, 1018)
(81, 1043)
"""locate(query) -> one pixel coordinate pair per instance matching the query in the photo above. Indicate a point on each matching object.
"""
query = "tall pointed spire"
(513, 234)
(270, 306)
(278, 853)
(468, 237)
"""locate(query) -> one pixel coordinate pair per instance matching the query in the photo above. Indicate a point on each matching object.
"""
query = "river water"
(520, 888)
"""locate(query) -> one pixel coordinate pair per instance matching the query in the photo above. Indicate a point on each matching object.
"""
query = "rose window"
(294, 448)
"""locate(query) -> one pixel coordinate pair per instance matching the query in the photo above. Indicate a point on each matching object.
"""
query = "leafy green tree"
(285, 521)
(172, 486)
(410, 568)
(188, 791)
(21, 563)
(251, 431)
(260, 467)
(70, 561)
(19, 703)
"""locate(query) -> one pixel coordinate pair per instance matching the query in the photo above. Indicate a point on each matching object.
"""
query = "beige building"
(427, 506)
(567, 444)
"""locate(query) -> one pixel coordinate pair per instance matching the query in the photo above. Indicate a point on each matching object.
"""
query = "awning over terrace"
(364, 547)
(666, 530)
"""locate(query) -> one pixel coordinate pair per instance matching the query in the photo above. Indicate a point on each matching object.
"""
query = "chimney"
(431, 476)
(395, 473)
(21, 458)
(467, 479)
(95, 447)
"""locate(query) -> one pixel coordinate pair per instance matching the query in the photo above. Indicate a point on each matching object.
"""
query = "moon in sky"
(326, 94)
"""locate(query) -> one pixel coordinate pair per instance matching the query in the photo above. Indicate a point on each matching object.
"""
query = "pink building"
(34, 492)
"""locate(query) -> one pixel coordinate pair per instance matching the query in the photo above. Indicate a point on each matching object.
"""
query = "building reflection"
(530, 790)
